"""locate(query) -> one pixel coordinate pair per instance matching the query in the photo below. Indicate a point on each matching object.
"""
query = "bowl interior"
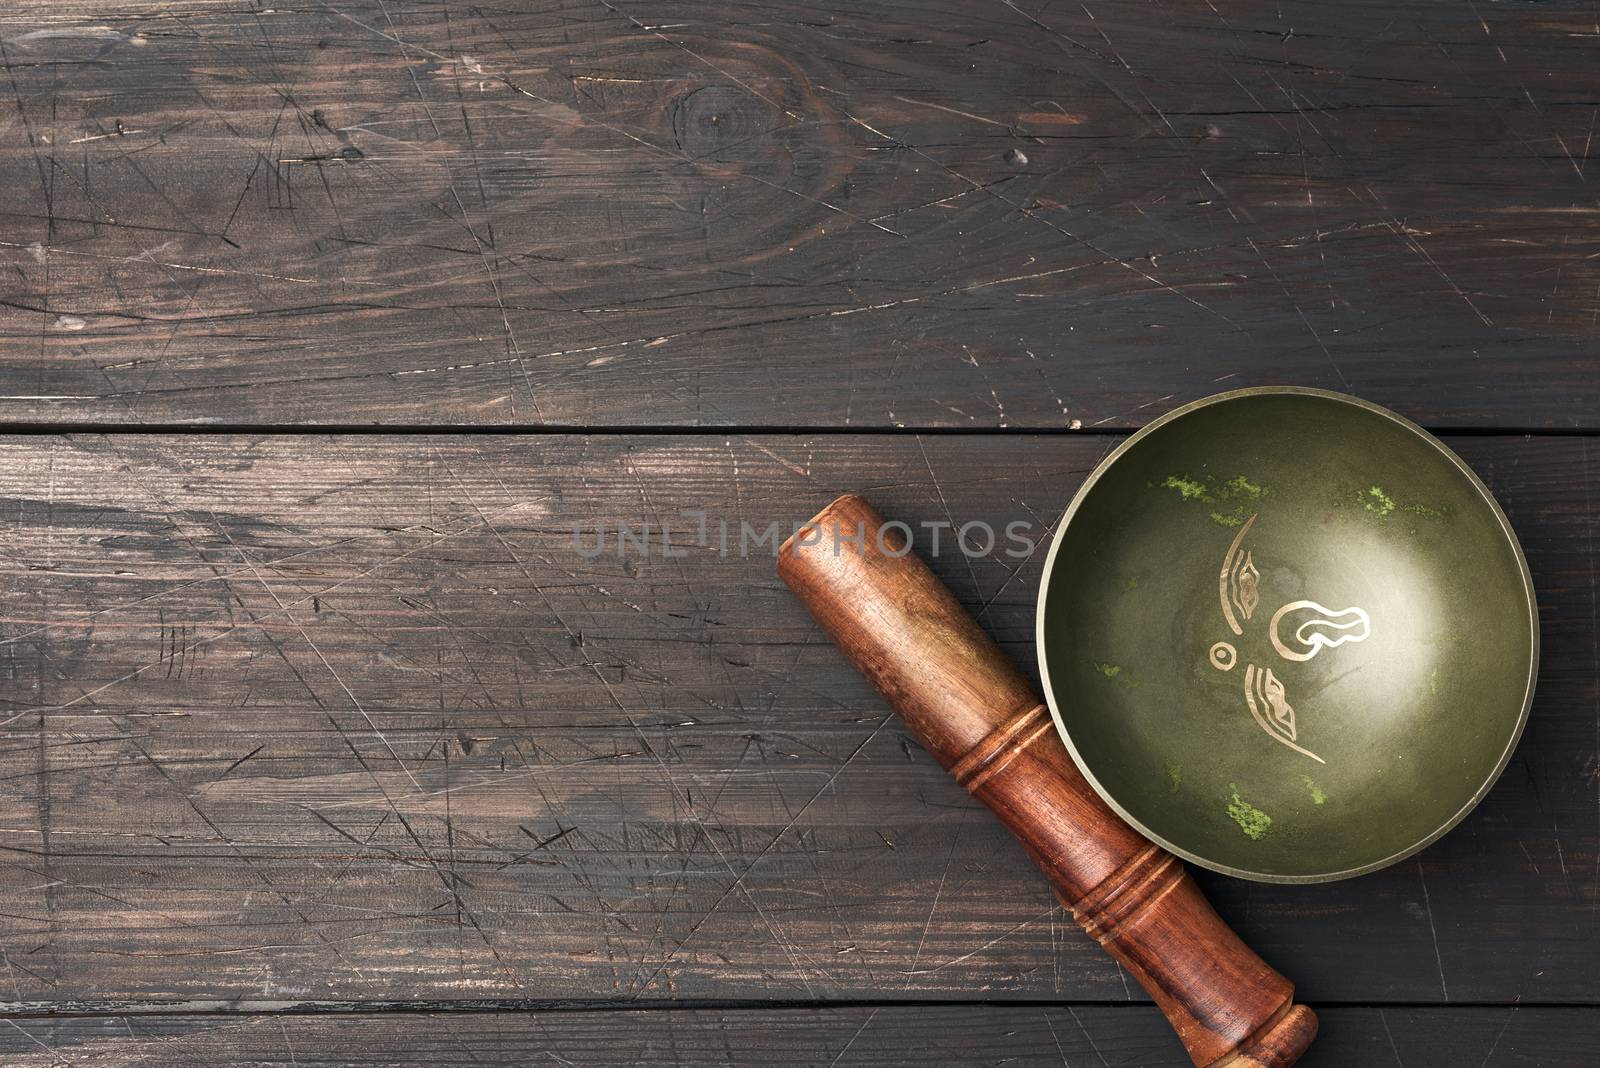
(1288, 636)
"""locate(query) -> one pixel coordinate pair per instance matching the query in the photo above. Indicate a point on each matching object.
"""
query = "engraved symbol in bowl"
(1327, 629)
(1299, 631)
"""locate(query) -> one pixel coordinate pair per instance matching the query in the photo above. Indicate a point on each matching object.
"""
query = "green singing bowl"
(1288, 635)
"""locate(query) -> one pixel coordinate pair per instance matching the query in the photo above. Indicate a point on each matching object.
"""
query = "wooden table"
(326, 323)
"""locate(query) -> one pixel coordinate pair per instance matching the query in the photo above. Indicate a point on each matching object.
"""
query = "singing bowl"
(1287, 634)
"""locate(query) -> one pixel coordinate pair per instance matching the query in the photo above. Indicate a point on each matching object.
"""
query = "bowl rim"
(1423, 435)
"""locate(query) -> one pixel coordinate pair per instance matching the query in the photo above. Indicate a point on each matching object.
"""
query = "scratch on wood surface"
(1433, 930)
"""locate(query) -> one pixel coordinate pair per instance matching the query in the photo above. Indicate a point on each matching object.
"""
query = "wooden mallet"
(971, 708)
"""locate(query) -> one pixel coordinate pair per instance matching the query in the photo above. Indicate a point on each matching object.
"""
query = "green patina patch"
(1381, 503)
(1377, 502)
(1175, 774)
(1134, 581)
(1433, 682)
(1114, 673)
(1188, 488)
(1208, 490)
(1243, 487)
(1251, 820)
(1318, 795)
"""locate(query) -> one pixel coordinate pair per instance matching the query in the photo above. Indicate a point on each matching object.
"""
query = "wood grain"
(1092, 1035)
(296, 718)
(889, 214)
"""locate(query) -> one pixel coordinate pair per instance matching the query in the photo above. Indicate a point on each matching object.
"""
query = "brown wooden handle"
(982, 721)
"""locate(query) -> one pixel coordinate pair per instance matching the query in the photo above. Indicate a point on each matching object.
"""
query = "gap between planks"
(490, 1006)
(40, 429)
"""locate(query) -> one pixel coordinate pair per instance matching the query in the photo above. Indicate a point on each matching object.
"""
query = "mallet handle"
(972, 709)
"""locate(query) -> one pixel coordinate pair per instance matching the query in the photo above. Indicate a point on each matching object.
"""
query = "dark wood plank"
(644, 213)
(1089, 1035)
(297, 718)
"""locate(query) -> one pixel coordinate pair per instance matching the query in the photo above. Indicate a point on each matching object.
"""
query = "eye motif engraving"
(1299, 631)
(1238, 585)
(1273, 713)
